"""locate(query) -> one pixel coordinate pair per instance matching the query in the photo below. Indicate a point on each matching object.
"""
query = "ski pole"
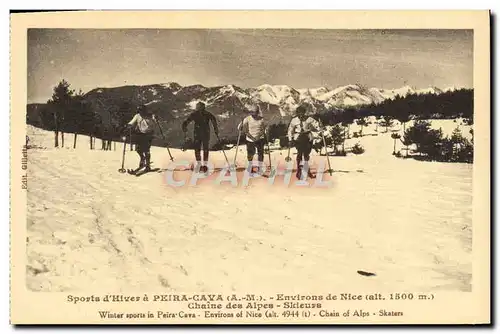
(237, 146)
(237, 141)
(161, 132)
(122, 170)
(287, 159)
(267, 141)
(326, 149)
(224, 152)
(269, 153)
(288, 155)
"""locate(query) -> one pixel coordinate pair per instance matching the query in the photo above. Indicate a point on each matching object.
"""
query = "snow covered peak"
(403, 91)
(232, 90)
(275, 94)
(319, 91)
(227, 90)
(216, 95)
(288, 98)
(430, 90)
(174, 86)
(313, 92)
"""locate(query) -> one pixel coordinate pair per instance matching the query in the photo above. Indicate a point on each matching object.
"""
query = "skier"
(201, 133)
(255, 129)
(300, 135)
(142, 126)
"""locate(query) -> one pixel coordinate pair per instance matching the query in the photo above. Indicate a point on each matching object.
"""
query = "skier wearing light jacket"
(300, 135)
(254, 127)
(142, 124)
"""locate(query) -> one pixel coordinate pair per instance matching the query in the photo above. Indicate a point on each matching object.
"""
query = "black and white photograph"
(286, 163)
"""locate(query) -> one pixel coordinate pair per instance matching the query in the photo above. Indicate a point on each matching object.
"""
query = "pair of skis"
(141, 171)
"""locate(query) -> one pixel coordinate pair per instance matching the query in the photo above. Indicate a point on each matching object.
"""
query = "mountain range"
(172, 102)
(283, 98)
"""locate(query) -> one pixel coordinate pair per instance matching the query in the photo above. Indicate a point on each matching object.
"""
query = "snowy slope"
(90, 227)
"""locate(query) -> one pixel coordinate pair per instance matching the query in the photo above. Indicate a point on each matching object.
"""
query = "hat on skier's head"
(254, 108)
(301, 110)
(200, 105)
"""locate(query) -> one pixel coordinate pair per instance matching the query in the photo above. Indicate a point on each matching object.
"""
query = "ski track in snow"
(90, 227)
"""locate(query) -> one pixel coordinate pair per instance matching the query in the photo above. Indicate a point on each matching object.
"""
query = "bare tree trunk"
(91, 146)
(62, 139)
(394, 150)
(343, 143)
(56, 131)
(74, 141)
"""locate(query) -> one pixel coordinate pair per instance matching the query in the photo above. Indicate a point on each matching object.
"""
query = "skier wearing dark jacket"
(201, 133)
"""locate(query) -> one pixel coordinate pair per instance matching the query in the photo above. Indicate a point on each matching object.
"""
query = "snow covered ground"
(89, 227)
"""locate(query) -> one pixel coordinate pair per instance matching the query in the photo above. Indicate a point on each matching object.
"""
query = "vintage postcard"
(250, 167)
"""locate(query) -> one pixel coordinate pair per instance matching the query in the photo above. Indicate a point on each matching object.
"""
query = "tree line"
(67, 111)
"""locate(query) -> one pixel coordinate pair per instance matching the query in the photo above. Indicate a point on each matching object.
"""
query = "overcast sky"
(299, 58)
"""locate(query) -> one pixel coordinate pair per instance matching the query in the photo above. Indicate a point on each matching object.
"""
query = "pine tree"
(403, 115)
(396, 137)
(59, 104)
(387, 122)
(337, 134)
(362, 122)
(377, 120)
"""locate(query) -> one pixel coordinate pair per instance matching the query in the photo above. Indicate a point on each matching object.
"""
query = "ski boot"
(299, 172)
